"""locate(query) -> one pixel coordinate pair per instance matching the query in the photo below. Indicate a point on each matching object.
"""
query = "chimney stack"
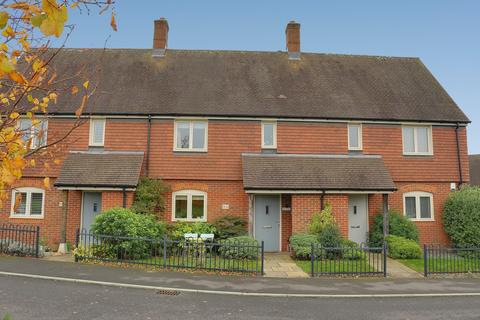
(160, 37)
(292, 33)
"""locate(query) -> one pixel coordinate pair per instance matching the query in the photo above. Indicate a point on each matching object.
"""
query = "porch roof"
(299, 172)
(100, 170)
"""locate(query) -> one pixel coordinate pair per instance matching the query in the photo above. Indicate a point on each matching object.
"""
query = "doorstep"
(280, 265)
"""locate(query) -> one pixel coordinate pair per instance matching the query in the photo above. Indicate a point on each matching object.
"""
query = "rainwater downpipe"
(459, 158)
(149, 129)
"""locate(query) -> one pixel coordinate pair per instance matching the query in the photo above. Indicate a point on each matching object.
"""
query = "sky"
(443, 33)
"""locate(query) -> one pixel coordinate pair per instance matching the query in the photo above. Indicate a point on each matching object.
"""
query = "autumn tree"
(29, 82)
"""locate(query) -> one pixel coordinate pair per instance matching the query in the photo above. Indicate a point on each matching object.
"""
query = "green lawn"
(327, 266)
(446, 264)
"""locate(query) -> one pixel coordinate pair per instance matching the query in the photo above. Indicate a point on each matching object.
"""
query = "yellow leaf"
(32, 163)
(17, 77)
(74, 90)
(14, 115)
(46, 182)
(6, 66)
(37, 64)
(113, 23)
(74, 5)
(53, 96)
(56, 16)
(85, 84)
(3, 19)
(8, 32)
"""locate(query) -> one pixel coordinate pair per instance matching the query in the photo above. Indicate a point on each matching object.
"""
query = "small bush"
(402, 248)
(229, 226)
(243, 247)
(351, 250)
(149, 197)
(461, 217)
(330, 236)
(121, 222)
(178, 229)
(399, 225)
(301, 244)
(322, 219)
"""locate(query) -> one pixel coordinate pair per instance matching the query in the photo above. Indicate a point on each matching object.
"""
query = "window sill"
(422, 220)
(418, 154)
(26, 217)
(189, 220)
(190, 151)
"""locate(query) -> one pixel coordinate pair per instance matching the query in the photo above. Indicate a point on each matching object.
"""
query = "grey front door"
(358, 218)
(92, 206)
(267, 221)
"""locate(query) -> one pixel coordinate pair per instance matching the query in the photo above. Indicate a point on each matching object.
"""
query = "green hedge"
(123, 222)
(243, 247)
(301, 244)
(461, 216)
(402, 248)
(177, 230)
(229, 226)
(399, 225)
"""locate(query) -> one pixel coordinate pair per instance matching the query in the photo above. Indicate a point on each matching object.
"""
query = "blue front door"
(92, 206)
(267, 221)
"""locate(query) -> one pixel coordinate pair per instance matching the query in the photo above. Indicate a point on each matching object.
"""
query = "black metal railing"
(20, 240)
(445, 260)
(358, 260)
(228, 255)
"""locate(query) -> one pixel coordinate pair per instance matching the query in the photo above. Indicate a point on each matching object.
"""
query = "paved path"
(254, 285)
(280, 265)
(398, 270)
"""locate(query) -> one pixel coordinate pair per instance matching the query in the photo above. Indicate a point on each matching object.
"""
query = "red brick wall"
(286, 229)
(305, 205)
(112, 199)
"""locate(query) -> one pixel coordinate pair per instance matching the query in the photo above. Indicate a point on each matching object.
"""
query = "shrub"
(402, 248)
(149, 197)
(399, 225)
(243, 247)
(178, 229)
(229, 226)
(121, 222)
(461, 216)
(351, 250)
(322, 219)
(330, 237)
(301, 244)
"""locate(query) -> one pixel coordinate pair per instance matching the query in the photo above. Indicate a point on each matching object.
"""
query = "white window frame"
(360, 136)
(190, 194)
(274, 146)
(91, 139)
(415, 142)
(190, 137)
(28, 191)
(417, 195)
(34, 144)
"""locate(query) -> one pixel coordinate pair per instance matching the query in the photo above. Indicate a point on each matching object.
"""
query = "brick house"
(475, 169)
(267, 136)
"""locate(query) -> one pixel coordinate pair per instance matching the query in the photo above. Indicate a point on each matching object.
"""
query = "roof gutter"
(459, 158)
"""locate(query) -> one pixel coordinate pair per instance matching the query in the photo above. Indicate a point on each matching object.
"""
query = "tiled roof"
(256, 84)
(315, 172)
(101, 169)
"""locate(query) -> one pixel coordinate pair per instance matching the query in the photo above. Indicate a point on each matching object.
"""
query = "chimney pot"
(292, 33)
(160, 37)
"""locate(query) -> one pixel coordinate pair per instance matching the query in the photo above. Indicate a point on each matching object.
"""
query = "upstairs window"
(417, 140)
(27, 203)
(191, 136)
(97, 132)
(354, 136)
(269, 135)
(418, 205)
(189, 205)
(35, 133)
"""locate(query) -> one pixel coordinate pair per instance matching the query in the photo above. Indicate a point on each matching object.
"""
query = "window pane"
(183, 133)
(354, 135)
(268, 134)
(410, 207)
(25, 126)
(199, 135)
(197, 207)
(180, 207)
(425, 210)
(20, 203)
(422, 139)
(408, 142)
(39, 134)
(98, 131)
(36, 204)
